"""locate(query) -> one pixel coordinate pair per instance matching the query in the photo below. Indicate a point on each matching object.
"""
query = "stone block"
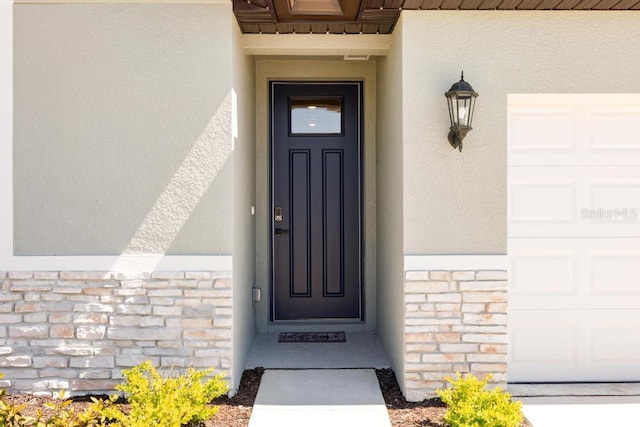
(205, 310)
(6, 350)
(444, 298)
(131, 284)
(146, 334)
(20, 275)
(480, 329)
(15, 361)
(31, 286)
(477, 286)
(190, 323)
(493, 349)
(492, 275)
(420, 348)
(10, 318)
(164, 293)
(10, 297)
(448, 307)
(130, 275)
(485, 338)
(61, 331)
(184, 284)
(487, 358)
(94, 386)
(442, 358)
(458, 348)
(198, 275)
(222, 322)
(94, 374)
(87, 332)
(151, 321)
(484, 319)
(167, 310)
(85, 275)
(133, 309)
(60, 317)
(497, 308)
(463, 275)
(92, 362)
(408, 298)
(474, 308)
(124, 320)
(473, 297)
(167, 275)
(223, 283)
(136, 300)
(31, 331)
(50, 362)
(93, 308)
(155, 284)
(129, 292)
(35, 318)
(490, 368)
(132, 360)
(452, 337)
(416, 275)
(91, 318)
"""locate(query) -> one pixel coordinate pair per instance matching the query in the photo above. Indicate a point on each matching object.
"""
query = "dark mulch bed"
(235, 411)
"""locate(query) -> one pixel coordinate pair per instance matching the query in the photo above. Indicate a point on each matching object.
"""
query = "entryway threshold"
(319, 397)
(361, 350)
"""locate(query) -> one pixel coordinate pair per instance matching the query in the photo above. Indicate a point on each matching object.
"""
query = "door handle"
(281, 231)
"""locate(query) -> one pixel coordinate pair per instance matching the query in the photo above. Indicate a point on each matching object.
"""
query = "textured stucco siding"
(122, 130)
(456, 203)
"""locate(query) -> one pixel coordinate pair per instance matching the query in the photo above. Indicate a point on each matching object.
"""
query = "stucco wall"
(244, 190)
(122, 129)
(389, 153)
(456, 203)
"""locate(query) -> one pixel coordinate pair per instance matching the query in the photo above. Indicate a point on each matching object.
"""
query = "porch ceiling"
(379, 16)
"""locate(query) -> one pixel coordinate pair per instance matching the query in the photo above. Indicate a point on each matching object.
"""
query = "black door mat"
(312, 337)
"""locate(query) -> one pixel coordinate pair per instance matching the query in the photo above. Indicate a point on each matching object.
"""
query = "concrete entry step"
(319, 397)
(361, 350)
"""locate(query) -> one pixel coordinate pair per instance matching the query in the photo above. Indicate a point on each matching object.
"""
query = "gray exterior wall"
(122, 130)
(244, 190)
(456, 203)
(389, 181)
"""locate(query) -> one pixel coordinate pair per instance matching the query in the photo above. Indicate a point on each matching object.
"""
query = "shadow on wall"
(186, 189)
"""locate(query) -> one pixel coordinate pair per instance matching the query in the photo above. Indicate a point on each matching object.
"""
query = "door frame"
(361, 201)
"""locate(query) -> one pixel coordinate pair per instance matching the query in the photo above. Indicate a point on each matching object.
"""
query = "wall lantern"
(462, 100)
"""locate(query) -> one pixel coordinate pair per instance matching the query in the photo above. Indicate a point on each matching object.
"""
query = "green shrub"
(155, 400)
(163, 401)
(469, 404)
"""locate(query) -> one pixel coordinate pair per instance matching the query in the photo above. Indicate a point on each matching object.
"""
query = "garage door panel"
(562, 345)
(585, 274)
(614, 273)
(558, 280)
(583, 129)
(574, 201)
(540, 129)
(611, 129)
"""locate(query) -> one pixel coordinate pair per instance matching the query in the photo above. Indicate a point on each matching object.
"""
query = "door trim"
(361, 244)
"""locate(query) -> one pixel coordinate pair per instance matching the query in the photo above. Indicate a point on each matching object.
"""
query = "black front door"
(316, 200)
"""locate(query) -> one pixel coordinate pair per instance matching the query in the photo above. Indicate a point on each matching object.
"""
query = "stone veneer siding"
(78, 330)
(455, 321)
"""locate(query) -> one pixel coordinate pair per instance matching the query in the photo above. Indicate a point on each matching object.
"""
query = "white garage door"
(574, 238)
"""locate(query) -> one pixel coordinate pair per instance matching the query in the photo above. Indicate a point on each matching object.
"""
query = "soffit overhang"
(378, 16)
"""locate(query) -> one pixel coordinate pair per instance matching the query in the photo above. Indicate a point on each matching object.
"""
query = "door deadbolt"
(277, 216)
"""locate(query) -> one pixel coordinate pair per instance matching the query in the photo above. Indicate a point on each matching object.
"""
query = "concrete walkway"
(319, 397)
